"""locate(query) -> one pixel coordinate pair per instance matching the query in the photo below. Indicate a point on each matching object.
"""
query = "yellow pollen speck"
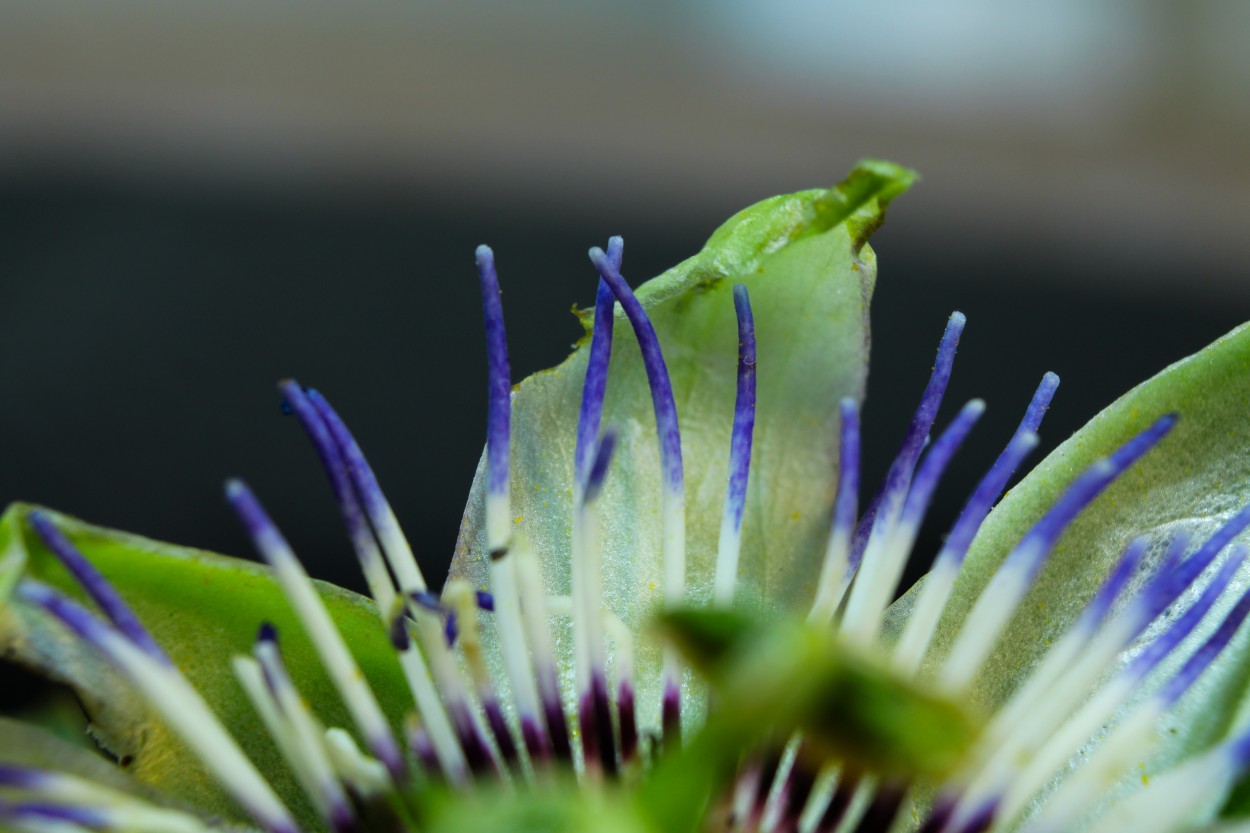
(517, 519)
(795, 516)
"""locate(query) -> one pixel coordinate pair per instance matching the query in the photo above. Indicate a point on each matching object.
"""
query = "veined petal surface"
(804, 259)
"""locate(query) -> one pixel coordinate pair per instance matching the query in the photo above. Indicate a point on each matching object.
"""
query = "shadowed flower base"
(528, 695)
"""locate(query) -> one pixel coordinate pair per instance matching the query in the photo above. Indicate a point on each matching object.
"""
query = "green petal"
(1194, 480)
(810, 275)
(203, 609)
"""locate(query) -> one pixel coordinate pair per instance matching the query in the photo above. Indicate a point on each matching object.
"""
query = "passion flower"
(666, 611)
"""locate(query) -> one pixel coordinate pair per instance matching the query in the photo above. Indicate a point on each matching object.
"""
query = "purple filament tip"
(1110, 590)
(662, 400)
(1165, 643)
(991, 487)
(1193, 566)
(20, 777)
(597, 360)
(427, 600)
(485, 601)
(1082, 492)
(398, 631)
(255, 520)
(848, 466)
(1165, 585)
(984, 496)
(938, 458)
(73, 615)
(499, 376)
(744, 409)
(451, 630)
(599, 471)
(267, 633)
(358, 468)
(1219, 640)
(301, 402)
(1040, 403)
(898, 478)
(96, 586)
(84, 817)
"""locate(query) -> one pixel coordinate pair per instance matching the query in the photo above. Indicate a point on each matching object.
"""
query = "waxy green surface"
(803, 257)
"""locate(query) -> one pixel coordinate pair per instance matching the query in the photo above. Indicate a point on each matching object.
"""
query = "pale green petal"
(810, 278)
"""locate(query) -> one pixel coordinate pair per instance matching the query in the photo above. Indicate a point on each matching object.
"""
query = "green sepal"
(203, 609)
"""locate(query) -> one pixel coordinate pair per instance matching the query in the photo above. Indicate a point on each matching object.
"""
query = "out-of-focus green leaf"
(1238, 804)
(203, 609)
(556, 806)
(771, 680)
(810, 275)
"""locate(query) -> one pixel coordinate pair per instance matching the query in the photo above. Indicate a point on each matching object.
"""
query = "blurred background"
(199, 199)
